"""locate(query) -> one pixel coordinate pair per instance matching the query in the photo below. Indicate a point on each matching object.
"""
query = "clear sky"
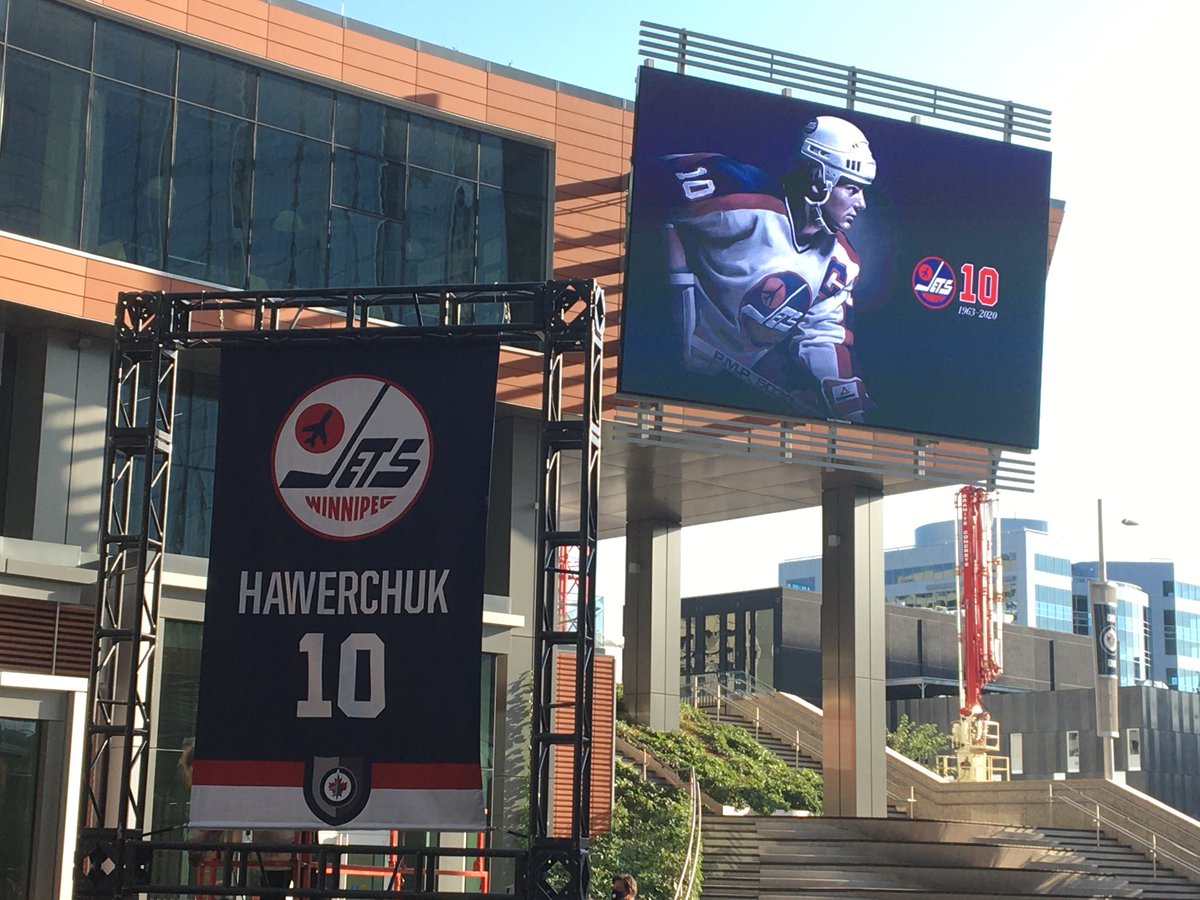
(1122, 341)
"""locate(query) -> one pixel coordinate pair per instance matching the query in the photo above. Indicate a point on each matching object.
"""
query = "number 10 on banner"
(315, 706)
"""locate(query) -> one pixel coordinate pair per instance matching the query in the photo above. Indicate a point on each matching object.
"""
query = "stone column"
(650, 660)
(853, 657)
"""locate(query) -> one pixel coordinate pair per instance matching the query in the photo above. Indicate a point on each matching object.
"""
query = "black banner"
(340, 672)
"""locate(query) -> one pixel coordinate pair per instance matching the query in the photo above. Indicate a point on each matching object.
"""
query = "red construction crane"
(981, 600)
(980, 636)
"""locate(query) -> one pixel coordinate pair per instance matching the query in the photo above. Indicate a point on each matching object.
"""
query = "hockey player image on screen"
(762, 271)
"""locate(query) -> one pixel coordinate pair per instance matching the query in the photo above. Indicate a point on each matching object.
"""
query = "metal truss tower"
(563, 320)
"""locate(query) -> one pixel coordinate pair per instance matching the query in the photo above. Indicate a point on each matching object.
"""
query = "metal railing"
(827, 444)
(224, 869)
(691, 861)
(1108, 820)
(718, 690)
(742, 694)
(997, 768)
(848, 85)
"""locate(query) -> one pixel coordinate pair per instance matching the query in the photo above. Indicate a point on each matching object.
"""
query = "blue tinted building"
(1042, 589)
(1172, 620)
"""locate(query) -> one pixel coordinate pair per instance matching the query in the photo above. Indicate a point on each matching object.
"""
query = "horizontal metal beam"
(852, 86)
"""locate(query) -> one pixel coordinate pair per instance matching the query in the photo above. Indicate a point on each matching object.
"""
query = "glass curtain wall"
(144, 150)
(135, 147)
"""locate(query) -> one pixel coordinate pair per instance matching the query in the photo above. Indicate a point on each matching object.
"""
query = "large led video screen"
(811, 262)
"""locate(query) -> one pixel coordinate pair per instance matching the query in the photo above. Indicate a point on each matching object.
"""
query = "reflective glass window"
(512, 242)
(192, 464)
(51, 29)
(368, 183)
(135, 57)
(441, 235)
(512, 165)
(209, 232)
(443, 147)
(217, 83)
(294, 105)
(127, 186)
(371, 127)
(20, 755)
(42, 149)
(290, 227)
(3, 17)
(365, 250)
(178, 663)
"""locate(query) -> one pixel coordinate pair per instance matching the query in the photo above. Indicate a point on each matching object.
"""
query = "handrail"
(1106, 818)
(651, 763)
(691, 861)
(737, 691)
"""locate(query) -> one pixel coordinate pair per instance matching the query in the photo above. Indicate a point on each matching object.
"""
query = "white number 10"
(315, 706)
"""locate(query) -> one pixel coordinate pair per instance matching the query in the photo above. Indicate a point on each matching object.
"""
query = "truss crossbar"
(564, 320)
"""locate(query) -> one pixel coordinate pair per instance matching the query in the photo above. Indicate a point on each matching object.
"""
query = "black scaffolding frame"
(563, 321)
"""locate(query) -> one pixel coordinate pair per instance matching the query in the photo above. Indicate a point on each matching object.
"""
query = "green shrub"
(649, 838)
(731, 766)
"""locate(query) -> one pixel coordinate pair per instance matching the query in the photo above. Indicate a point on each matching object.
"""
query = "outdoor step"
(781, 857)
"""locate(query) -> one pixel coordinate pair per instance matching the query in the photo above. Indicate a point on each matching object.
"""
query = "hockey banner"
(812, 262)
(340, 669)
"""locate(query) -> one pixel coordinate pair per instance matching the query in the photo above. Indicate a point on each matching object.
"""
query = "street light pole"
(1102, 595)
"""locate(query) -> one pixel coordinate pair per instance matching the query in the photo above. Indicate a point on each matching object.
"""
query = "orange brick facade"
(591, 151)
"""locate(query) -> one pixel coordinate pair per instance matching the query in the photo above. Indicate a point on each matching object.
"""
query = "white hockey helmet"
(840, 151)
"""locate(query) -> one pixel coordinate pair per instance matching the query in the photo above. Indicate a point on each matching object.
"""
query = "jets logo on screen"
(775, 306)
(933, 282)
(351, 457)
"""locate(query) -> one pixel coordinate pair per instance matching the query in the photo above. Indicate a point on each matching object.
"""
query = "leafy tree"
(649, 838)
(920, 743)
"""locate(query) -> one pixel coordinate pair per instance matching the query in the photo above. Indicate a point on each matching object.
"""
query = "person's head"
(624, 887)
(832, 167)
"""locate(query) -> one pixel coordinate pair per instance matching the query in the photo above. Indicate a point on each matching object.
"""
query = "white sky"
(1119, 390)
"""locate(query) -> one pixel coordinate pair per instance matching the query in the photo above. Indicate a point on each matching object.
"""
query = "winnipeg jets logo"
(351, 456)
(933, 282)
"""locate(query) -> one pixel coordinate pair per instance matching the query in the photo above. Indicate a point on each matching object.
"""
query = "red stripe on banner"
(402, 776)
(432, 776)
(247, 772)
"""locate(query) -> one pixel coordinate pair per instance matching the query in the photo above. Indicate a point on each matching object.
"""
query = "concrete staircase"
(1069, 838)
(790, 752)
(765, 857)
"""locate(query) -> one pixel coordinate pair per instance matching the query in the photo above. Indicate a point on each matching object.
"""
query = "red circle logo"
(934, 282)
(351, 457)
(319, 428)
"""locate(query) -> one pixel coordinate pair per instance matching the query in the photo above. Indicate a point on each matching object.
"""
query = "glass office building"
(1042, 589)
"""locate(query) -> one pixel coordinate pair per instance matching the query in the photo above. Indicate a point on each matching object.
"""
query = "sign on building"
(811, 262)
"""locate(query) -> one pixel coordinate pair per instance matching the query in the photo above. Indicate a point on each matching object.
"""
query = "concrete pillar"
(56, 445)
(853, 658)
(650, 660)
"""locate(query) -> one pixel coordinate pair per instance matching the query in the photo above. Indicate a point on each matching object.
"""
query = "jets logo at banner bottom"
(336, 789)
(352, 457)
